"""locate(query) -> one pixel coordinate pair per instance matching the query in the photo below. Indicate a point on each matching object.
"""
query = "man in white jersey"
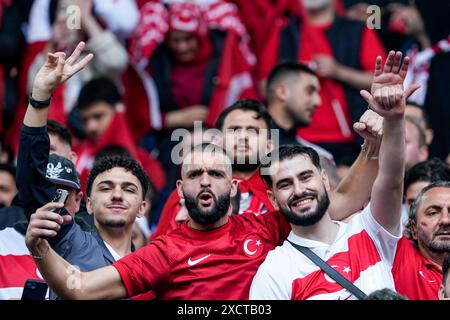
(363, 249)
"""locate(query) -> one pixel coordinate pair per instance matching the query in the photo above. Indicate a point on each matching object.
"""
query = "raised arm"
(353, 192)
(388, 99)
(55, 71)
(64, 279)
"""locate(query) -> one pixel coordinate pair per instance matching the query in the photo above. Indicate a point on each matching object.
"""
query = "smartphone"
(34, 290)
(61, 197)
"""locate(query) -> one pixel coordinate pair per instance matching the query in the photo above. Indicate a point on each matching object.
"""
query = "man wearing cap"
(115, 205)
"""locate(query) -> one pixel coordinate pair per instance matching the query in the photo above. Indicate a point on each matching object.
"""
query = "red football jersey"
(414, 275)
(216, 264)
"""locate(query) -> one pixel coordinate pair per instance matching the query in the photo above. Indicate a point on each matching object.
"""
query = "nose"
(205, 181)
(317, 100)
(299, 188)
(117, 193)
(445, 217)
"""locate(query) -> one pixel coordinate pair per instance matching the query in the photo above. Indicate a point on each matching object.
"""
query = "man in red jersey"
(444, 289)
(214, 255)
(417, 266)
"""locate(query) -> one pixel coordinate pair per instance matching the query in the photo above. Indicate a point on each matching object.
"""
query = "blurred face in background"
(183, 45)
(7, 188)
(96, 119)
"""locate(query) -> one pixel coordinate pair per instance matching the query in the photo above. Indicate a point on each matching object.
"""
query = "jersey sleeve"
(268, 283)
(385, 242)
(145, 269)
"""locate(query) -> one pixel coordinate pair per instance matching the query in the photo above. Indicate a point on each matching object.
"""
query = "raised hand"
(387, 96)
(370, 126)
(56, 70)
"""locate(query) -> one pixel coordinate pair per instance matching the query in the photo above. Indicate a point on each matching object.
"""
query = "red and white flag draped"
(420, 68)
(234, 79)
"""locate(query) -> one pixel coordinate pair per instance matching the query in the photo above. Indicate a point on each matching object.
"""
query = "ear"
(325, 180)
(78, 198)
(89, 208)
(234, 188)
(180, 189)
(429, 135)
(282, 92)
(73, 156)
(423, 153)
(143, 208)
(441, 292)
(272, 199)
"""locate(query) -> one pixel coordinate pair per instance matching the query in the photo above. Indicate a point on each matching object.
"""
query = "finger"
(42, 233)
(411, 89)
(378, 66)
(60, 67)
(378, 128)
(368, 97)
(52, 58)
(46, 225)
(392, 97)
(397, 62)
(83, 63)
(404, 70)
(76, 53)
(371, 122)
(385, 98)
(359, 126)
(389, 62)
(50, 206)
(66, 219)
(48, 216)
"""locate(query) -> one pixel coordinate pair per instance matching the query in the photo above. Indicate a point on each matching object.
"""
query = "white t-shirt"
(363, 252)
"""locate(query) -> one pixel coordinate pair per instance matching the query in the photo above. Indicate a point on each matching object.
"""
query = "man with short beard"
(417, 266)
(363, 249)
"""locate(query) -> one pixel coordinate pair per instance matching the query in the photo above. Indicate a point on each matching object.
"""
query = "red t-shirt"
(331, 121)
(414, 275)
(217, 264)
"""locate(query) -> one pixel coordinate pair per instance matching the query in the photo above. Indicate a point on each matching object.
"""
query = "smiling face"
(116, 199)
(299, 190)
(433, 221)
(206, 186)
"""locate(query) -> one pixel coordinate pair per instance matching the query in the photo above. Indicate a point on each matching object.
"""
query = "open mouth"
(302, 202)
(205, 199)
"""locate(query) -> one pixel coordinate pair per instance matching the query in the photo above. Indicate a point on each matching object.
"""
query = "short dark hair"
(286, 152)
(283, 70)
(246, 105)
(432, 170)
(385, 294)
(127, 163)
(111, 151)
(8, 168)
(56, 128)
(98, 90)
(445, 268)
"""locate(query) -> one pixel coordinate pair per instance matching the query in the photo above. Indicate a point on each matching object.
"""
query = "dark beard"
(299, 121)
(207, 217)
(310, 219)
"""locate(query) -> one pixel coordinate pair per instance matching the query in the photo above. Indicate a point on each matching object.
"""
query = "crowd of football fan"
(207, 148)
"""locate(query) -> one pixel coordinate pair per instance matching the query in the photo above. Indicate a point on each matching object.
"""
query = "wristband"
(39, 104)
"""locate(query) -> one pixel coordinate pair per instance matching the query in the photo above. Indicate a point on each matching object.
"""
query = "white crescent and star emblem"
(253, 246)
